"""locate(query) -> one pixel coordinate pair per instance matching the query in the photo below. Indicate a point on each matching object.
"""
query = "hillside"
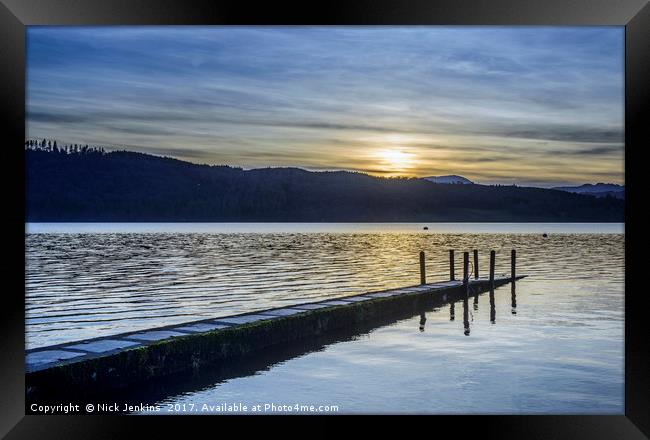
(127, 186)
(597, 190)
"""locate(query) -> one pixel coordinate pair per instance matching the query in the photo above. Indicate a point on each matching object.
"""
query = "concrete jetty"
(91, 366)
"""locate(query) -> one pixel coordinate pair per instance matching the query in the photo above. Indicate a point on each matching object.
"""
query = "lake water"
(560, 348)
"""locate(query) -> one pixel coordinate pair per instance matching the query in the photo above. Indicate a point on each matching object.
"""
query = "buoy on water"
(426, 228)
(545, 235)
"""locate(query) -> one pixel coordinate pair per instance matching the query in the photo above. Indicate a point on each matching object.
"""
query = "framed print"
(358, 209)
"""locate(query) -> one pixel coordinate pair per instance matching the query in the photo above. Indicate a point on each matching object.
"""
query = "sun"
(395, 160)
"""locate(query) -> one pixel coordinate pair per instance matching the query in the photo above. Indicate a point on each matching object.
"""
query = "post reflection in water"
(466, 315)
(467, 310)
(493, 311)
(513, 297)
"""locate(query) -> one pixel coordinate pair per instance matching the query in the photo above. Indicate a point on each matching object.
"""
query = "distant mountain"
(597, 190)
(90, 185)
(453, 179)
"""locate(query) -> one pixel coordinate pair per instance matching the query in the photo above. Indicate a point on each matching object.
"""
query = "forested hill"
(92, 185)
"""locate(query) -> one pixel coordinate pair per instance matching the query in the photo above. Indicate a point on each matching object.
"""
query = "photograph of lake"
(325, 219)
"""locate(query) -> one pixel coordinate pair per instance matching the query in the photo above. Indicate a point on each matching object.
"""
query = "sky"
(539, 106)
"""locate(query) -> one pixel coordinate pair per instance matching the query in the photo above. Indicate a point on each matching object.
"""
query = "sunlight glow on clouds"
(536, 105)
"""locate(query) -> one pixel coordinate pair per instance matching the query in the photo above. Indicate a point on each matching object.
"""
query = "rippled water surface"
(560, 349)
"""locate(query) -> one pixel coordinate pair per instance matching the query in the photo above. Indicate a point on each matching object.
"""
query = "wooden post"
(423, 276)
(475, 263)
(513, 260)
(466, 272)
(452, 276)
(465, 267)
(492, 262)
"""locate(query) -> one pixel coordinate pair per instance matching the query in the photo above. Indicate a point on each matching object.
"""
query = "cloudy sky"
(532, 105)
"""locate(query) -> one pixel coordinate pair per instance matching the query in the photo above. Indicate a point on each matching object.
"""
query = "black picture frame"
(16, 14)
